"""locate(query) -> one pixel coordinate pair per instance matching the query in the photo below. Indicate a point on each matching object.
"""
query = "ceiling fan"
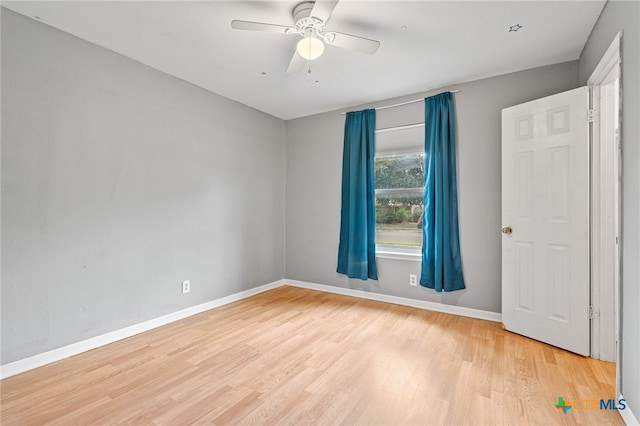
(310, 18)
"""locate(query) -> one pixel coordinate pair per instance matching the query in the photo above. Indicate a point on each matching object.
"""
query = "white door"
(545, 215)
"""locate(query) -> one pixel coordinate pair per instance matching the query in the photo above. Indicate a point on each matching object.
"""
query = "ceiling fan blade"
(322, 9)
(261, 26)
(352, 42)
(297, 62)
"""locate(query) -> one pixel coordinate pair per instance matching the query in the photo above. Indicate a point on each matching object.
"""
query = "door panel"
(545, 202)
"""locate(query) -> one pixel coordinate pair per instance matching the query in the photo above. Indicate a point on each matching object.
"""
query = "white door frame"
(605, 244)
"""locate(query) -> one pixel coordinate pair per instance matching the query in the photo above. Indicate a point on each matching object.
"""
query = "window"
(399, 199)
(399, 177)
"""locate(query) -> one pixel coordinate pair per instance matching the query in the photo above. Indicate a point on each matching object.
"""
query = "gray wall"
(314, 162)
(119, 182)
(625, 16)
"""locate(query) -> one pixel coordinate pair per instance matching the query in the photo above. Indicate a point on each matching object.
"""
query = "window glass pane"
(399, 199)
(400, 171)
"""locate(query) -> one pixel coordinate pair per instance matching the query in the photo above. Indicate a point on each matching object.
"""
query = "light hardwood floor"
(296, 356)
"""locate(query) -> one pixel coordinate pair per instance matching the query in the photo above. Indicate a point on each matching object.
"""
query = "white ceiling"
(444, 42)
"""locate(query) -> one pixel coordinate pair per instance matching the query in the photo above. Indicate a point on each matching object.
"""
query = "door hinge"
(591, 115)
(593, 313)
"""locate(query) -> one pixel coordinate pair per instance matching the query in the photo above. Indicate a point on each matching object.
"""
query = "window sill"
(411, 256)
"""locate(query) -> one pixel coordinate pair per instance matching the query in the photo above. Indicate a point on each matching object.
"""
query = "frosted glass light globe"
(310, 48)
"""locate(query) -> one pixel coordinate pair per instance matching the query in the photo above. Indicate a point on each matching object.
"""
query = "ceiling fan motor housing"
(303, 19)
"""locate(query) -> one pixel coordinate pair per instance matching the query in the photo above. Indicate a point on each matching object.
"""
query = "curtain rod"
(406, 126)
(403, 103)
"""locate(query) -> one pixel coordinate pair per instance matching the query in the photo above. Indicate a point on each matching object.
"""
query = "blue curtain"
(441, 263)
(357, 250)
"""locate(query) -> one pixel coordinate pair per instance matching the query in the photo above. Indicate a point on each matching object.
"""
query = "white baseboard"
(54, 355)
(58, 354)
(421, 304)
(627, 415)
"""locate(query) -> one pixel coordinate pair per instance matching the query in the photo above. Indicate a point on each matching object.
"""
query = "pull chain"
(309, 63)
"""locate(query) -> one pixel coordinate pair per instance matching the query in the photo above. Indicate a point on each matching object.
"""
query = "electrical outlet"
(186, 286)
(413, 279)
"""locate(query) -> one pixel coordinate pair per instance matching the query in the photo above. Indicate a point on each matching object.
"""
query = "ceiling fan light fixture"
(310, 47)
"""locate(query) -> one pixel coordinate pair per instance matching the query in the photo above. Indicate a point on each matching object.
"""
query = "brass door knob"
(506, 230)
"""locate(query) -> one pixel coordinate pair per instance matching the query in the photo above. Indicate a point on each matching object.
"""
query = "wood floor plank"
(297, 356)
